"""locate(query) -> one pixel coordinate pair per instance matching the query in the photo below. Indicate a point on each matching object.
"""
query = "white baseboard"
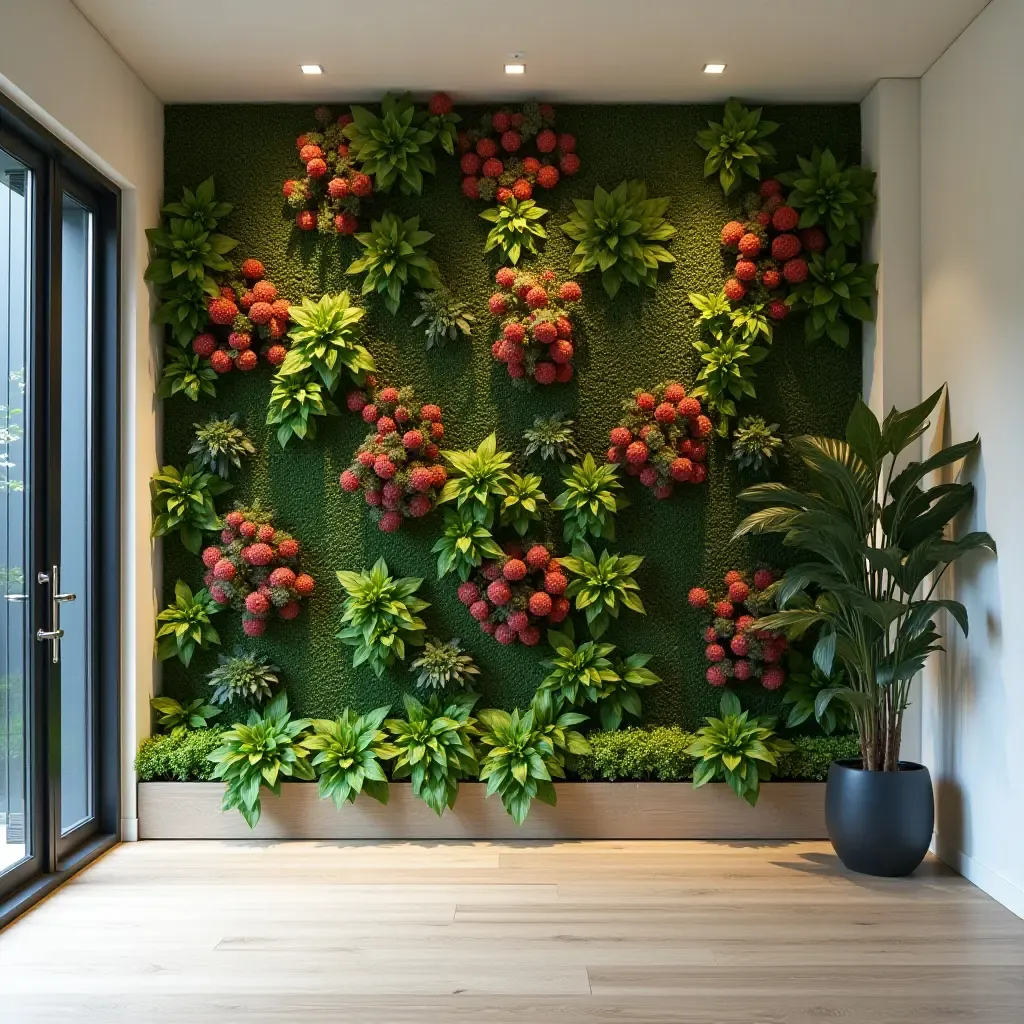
(1001, 889)
(129, 830)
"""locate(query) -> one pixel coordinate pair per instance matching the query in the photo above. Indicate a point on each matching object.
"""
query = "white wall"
(972, 149)
(57, 67)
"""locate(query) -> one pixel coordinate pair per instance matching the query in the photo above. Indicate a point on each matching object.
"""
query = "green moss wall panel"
(635, 340)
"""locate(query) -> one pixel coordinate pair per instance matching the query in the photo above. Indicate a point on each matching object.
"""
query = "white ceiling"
(191, 51)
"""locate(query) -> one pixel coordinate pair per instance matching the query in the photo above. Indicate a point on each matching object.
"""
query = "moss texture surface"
(635, 340)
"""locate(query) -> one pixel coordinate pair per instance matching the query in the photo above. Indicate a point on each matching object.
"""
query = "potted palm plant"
(874, 548)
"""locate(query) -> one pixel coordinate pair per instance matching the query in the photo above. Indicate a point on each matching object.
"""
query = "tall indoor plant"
(874, 551)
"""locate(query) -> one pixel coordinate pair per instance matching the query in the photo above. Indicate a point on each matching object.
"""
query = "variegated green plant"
(185, 624)
(521, 505)
(295, 405)
(479, 477)
(736, 145)
(602, 585)
(176, 718)
(394, 256)
(325, 340)
(517, 225)
(464, 544)
(592, 496)
(183, 503)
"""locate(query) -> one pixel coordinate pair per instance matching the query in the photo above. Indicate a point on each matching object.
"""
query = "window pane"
(15, 331)
(76, 705)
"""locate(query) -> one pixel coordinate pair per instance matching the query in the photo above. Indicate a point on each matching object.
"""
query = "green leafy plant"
(183, 503)
(755, 446)
(620, 233)
(347, 756)
(748, 322)
(871, 537)
(325, 340)
(521, 505)
(834, 287)
(380, 616)
(516, 226)
(479, 478)
(603, 585)
(393, 257)
(464, 544)
(590, 500)
(244, 677)
(555, 724)
(804, 682)
(445, 317)
(443, 664)
(736, 145)
(829, 193)
(552, 438)
(738, 749)
(175, 717)
(621, 696)
(185, 373)
(183, 757)
(295, 404)
(725, 375)
(258, 754)
(435, 749)
(201, 206)
(185, 625)
(220, 444)
(395, 148)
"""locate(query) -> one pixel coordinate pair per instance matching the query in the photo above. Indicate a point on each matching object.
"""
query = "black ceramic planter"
(880, 823)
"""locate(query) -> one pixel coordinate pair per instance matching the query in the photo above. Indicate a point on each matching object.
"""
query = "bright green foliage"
(348, 752)
(749, 322)
(244, 677)
(435, 748)
(267, 748)
(464, 544)
(552, 438)
(870, 538)
(394, 256)
(185, 625)
(804, 682)
(185, 373)
(175, 717)
(738, 749)
(620, 233)
(828, 193)
(445, 316)
(295, 403)
(395, 148)
(516, 226)
(621, 697)
(380, 616)
(556, 725)
(755, 446)
(325, 340)
(187, 252)
(443, 664)
(479, 477)
(603, 585)
(834, 286)
(183, 502)
(725, 375)
(523, 499)
(443, 127)
(590, 500)
(812, 755)
(220, 444)
(182, 757)
(736, 146)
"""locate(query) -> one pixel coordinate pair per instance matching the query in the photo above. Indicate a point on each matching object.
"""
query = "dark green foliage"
(827, 192)
(755, 447)
(183, 503)
(184, 625)
(445, 317)
(517, 225)
(640, 337)
(551, 437)
(394, 256)
(220, 444)
(836, 287)
(182, 757)
(735, 145)
(175, 717)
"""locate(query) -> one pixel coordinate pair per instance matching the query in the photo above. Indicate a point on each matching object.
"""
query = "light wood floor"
(666, 932)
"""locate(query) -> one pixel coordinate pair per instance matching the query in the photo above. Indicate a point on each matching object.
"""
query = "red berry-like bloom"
(739, 645)
(564, 327)
(383, 467)
(649, 476)
(362, 185)
(514, 332)
(734, 290)
(370, 413)
(636, 453)
(563, 373)
(547, 176)
(421, 479)
(346, 224)
(763, 578)
(258, 554)
(290, 610)
(505, 277)
(785, 218)
(304, 584)
(569, 164)
(746, 270)
(566, 142)
(699, 474)
(257, 603)
(537, 557)
(504, 634)
(785, 247)
(555, 583)
(488, 628)
(204, 345)
(738, 591)
(338, 188)
(221, 361)
(247, 361)
(514, 569)
(772, 678)
(750, 244)
(716, 675)
(224, 570)
(276, 354)
(742, 670)
(468, 593)
(703, 426)
(724, 610)
(530, 636)
(305, 220)
(282, 577)
(768, 188)
(744, 622)
(349, 481)
(560, 609)
(536, 298)
(288, 188)
(252, 270)
(480, 610)
(545, 373)
(253, 627)
(500, 121)
(412, 439)
(733, 576)
(264, 291)
(681, 469)
(620, 436)
(470, 163)
(239, 341)
(570, 292)
(675, 393)
(419, 505)
(486, 148)
(471, 188)
(261, 312)
(316, 168)
(248, 529)
(431, 413)
(498, 304)
(561, 352)
(546, 141)
(665, 413)
(440, 104)
(795, 271)
(223, 311)
(698, 597)
(545, 332)
(310, 152)
(518, 620)
(511, 141)
(771, 279)
(813, 239)
(440, 475)
(498, 592)
(386, 425)
(714, 652)
(355, 401)
(494, 168)
(777, 309)
(390, 522)
(732, 233)
(491, 571)
(646, 401)
(211, 556)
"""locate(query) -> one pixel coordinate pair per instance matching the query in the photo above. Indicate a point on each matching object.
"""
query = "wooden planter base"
(585, 810)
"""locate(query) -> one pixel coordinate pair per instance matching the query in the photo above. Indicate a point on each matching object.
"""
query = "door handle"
(15, 597)
(54, 633)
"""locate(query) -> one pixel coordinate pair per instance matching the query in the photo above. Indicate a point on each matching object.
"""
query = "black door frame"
(58, 170)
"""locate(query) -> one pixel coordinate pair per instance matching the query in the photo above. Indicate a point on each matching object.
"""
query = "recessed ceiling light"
(713, 69)
(515, 69)
(312, 69)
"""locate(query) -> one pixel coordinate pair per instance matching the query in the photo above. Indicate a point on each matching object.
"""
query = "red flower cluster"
(494, 160)
(246, 313)
(398, 466)
(769, 249)
(734, 650)
(513, 599)
(536, 325)
(661, 438)
(255, 570)
(327, 195)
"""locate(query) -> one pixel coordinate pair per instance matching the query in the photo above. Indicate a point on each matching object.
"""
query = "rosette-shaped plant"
(834, 287)
(831, 194)
(603, 585)
(295, 405)
(756, 447)
(394, 256)
(185, 373)
(479, 477)
(725, 376)
(443, 664)
(446, 318)
(517, 225)
(380, 616)
(577, 673)
(244, 677)
(551, 437)
(590, 500)
(176, 718)
(736, 145)
(220, 444)
(325, 342)
(183, 503)
(620, 233)
(185, 625)
(521, 505)
(464, 544)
